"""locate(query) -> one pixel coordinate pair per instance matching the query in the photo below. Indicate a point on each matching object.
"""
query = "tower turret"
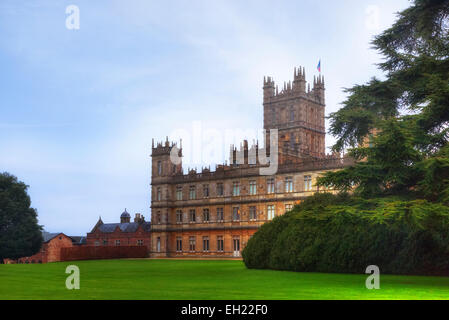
(268, 88)
(299, 79)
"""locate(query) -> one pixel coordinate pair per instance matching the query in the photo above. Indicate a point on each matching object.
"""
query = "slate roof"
(78, 239)
(48, 236)
(124, 227)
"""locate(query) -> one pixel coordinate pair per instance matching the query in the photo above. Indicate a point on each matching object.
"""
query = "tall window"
(270, 212)
(289, 184)
(206, 217)
(159, 167)
(179, 193)
(206, 191)
(236, 213)
(178, 216)
(252, 187)
(252, 213)
(220, 190)
(192, 243)
(158, 217)
(205, 243)
(192, 215)
(192, 192)
(140, 242)
(220, 243)
(178, 244)
(236, 188)
(292, 114)
(117, 242)
(159, 194)
(220, 216)
(270, 185)
(307, 183)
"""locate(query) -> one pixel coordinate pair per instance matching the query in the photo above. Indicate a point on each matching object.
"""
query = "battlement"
(294, 89)
(165, 148)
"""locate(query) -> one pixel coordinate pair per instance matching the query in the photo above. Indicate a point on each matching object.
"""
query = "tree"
(409, 111)
(20, 234)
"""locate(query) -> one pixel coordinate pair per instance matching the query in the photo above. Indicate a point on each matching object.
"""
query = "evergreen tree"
(20, 234)
(408, 112)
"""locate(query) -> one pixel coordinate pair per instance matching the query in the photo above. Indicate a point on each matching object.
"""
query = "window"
(270, 212)
(288, 207)
(159, 194)
(252, 188)
(270, 185)
(179, 193)
(252, 213)
(205, 243)
(307, 183)
(158, 244)
(220, 243)
(206, 191)
(192, 192)
(292, 114)
(97, 243)
(117, 242)
(236, 188)
(192, 215)
(105, 242)
(192, 243)
(158, 217)
(236, 213)
(220, 189)
(159, 167)
(178, 244)
(289, 184)
(178, 216)
(220, 216)
(140, 242)
(206, 217)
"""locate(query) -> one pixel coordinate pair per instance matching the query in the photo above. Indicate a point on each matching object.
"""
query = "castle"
(214, 213)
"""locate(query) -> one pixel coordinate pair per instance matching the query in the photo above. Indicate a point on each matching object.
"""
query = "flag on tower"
(319, 66)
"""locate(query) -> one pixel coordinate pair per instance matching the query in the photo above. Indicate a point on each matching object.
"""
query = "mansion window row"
(236, 190)
(205, 244)
(117, 242)
(205, 216)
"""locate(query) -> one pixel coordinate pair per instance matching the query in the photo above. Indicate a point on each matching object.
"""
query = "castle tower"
(166, 162)
(298, 115)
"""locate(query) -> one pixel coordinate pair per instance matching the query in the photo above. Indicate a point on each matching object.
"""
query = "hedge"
(343, 234)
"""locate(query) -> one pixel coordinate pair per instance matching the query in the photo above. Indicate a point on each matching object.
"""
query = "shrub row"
(340, 233)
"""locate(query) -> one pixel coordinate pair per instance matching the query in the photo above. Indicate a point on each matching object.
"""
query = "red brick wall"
(49, 252)
(126, 238)
(103, 252)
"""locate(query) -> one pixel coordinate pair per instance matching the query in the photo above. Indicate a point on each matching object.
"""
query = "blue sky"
(79, 107)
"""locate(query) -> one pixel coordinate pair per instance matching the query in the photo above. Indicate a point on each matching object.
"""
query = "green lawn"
(199, 279)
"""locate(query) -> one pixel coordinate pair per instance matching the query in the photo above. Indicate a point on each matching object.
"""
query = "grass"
(199, 279)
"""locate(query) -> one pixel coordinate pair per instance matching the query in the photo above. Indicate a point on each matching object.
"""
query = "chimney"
(139, 218)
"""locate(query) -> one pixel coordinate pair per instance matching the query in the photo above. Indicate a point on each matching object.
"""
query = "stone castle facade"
(214, 213)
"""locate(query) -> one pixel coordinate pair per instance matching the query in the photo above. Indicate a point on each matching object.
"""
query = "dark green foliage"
(408, 112)
(343, 234)
(20, 235)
